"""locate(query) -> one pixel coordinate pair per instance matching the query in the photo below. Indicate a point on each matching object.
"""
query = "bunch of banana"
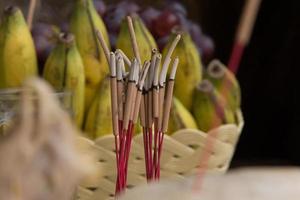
(189, 72)
(84, 22)
(64, 70)
(144, 39)
(18, 59)
(98, 120)
(180, 118)
(225, 83)
(209, 107)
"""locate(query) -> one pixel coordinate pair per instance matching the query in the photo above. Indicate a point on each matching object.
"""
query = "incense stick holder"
(180, 158)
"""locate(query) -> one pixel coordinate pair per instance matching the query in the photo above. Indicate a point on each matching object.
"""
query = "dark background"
(269, 77)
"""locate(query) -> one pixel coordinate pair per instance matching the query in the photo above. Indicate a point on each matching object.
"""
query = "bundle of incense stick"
(143, 93)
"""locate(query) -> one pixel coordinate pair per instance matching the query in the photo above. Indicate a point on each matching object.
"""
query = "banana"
(209, 107)
(144, 39)
(189, 72)
(180, 118)
(84, 22)
(64, 70)
(98, 121)
(225, 83)
(18, 59)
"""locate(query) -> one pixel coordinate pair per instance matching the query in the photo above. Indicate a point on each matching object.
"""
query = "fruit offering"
(71, 58)
(64, 70)
(159, 20)
(18, 59)
(84, 23)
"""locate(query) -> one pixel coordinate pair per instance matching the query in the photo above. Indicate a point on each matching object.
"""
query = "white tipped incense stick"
(169, 96)
(120, 88)
(174, 69)
(114, 97)
(139, 92)
(164, 70)
(126, 59)
(129, 96)
(155, 91)
(134, 93)
(172, 48)
(133, 40)
(103, 45)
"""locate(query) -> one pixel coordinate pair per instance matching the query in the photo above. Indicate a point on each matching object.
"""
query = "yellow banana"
(84, 22)
(225, 83)
(144, 39)
(18, 59)
(99, 120)
(189, 72)
(209, 107)
(64, 70)
(180, 118)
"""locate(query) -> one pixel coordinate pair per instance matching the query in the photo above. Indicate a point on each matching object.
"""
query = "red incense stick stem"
(236, 57)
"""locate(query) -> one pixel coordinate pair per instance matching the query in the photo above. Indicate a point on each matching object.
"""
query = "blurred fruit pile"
(70, 58)
(160, 21)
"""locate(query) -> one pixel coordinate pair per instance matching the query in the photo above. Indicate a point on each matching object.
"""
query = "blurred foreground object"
(38, 155)
(246, 184)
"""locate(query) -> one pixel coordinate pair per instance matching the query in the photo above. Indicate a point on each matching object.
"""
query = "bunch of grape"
(160, 22)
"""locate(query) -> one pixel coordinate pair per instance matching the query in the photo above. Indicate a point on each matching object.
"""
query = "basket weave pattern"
(180, 158)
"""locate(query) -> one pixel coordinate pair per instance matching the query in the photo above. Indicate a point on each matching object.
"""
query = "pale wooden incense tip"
(247, 21)
(119, 69)
(174, 68)
(126, 59)
(133, 70)
(144, 75)
(163, 72)
(103, 44)
(156, 71)
(133, 39)
(31, 11)
(136, 74)
(167, 106)
(112, 64)
(172, 47)
(152, 70)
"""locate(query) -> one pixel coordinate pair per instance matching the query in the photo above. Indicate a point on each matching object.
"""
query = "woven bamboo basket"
(180, 158)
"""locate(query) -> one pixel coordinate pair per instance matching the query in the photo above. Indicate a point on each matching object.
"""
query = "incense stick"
(243, 33)
(103, 45)
(126, 59)
(31, 11)
(133, 40)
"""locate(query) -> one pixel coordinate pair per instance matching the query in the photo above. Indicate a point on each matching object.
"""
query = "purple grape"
(164, 23)
(113, 19)
(100, 7)
(149, 15)
(42, 34)
(113, 40)
(161, 42)
(207, 46)
(64, 27)
(183, 21)
(177, 8)
(195, 32)
(129, 7)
